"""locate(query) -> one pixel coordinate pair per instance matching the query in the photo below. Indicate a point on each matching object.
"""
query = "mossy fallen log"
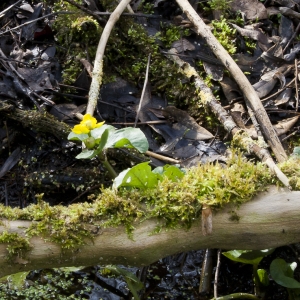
(269, 220)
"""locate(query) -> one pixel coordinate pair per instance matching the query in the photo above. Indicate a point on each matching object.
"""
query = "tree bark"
(270, 220)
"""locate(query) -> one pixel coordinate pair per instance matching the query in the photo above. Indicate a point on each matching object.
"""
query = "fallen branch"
(270, 220)
(242, 137)
(249, 92)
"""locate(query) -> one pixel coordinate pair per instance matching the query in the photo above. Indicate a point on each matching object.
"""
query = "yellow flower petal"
(87, 124)
(99, 124)
(89, 121)
(79, 129)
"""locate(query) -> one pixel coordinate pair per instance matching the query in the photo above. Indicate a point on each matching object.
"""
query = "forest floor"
(46, 56)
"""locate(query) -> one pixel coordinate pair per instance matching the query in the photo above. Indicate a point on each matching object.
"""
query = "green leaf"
(283, 273)
(134, 284)
(128, 138)
(77, 137)
(86, 153)
(103, 141)
(97, 132)
(171, 172)
(263, 277)
(139, 176)
(16, 280)
(252, 257)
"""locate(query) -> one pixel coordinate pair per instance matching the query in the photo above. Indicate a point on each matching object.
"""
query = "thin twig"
(290, 135)
(98, 65)
(37, 19)
(161, 157)
(144, 90)
(217, 273)
(2, 13)
(296, 84)
(279, 91)
(292, 37)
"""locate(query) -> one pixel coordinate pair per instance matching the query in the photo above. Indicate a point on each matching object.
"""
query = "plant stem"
(256, 280)
(111, 171)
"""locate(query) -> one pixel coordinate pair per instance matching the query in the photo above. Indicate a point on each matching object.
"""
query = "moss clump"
(173, 204)
(291, 168)
(16, 245)
(225, 35)
(78, 36)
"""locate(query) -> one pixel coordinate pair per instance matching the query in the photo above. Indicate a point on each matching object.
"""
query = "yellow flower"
(87, 124)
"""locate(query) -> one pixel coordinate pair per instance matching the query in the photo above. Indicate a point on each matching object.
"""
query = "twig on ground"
(279, 91)
(247, 89)
(98, 65)
(37, 19)
(2, 13)
(292, 38)
(208, 100)
(162, 157)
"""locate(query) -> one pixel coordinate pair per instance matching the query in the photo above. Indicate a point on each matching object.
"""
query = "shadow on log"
(270, 220)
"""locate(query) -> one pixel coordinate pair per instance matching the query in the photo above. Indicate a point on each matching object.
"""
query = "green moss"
(16, 245)
(126, 53)
(222, 5)
(173, 204)
(225, 34)
(78, 35)
(291, 168)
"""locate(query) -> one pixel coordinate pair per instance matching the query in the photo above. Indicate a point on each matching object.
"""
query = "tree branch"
(270, 220)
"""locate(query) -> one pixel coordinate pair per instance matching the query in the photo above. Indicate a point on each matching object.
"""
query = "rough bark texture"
(270, 220)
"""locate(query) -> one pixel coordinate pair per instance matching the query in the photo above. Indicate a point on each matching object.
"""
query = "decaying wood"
(39, 121)
(208, 99)
(270, 220)
(247, 89)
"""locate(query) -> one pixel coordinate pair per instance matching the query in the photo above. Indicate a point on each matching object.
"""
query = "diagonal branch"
(249, 92)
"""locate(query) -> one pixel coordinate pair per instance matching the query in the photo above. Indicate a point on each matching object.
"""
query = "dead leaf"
(289, 12)
(253, 9)
(183, 45)
(230, 89)
(185, 120)
(253, 33)
(263, 87)
(215, 71)
(287, 3)
(11, 161)
(283, 97)
(286, 30)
